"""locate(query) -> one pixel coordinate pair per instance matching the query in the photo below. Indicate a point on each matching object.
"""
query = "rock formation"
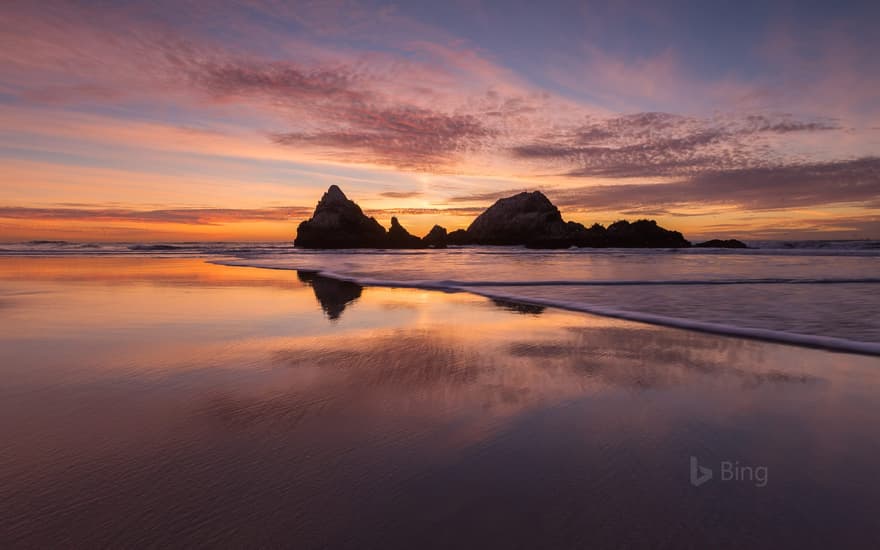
(436, 237)
(528, 219)
(621, 234)
(719, 243)
(339, 223)
(459, 237)
(643, 234)
(517, 220)
(398, 237)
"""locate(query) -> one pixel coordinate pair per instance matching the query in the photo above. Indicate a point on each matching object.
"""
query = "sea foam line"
(447, 283)
(769, 335)
(830, 343)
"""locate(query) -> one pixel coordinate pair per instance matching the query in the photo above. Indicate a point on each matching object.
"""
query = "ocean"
(813, 293)
(154, 397)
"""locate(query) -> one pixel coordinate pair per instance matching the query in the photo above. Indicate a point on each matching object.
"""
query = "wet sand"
(169, 402)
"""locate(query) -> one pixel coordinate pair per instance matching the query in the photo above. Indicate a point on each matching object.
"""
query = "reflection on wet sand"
(332, 294)
(518, 307)
(220, 408)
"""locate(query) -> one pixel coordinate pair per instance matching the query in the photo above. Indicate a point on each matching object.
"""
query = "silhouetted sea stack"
(517, 220)
(621, 234)
(459, 237)
(339, 223)
(528, 219)
(398, 237)
(643, 234)
(719, 243)
(436, 237)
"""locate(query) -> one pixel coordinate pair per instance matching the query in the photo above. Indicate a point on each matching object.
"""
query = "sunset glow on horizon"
(145, 121)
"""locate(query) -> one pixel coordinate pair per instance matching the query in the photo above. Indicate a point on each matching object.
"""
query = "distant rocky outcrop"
(398, 237)
(517, 220)
(722, 243)
(339, 223)
(528, 219)
(436, 237)
(621, 234)
(459, 237)
(531, 219)
(643, 234)
(596, 236)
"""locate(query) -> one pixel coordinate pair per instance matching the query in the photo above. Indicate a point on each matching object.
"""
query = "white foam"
(450, 283)
(806, 340)
(474, 287)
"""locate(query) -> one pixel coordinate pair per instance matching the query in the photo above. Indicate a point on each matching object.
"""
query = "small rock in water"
(719, 243)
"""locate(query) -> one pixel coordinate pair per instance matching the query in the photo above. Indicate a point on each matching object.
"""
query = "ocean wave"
(770, 335)
(455, 284)
(157, 247)
(767, 295)
(861, 248)
(480, 288)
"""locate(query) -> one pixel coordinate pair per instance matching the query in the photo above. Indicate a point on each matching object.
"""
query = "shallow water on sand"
(813, 294)
(173, 402)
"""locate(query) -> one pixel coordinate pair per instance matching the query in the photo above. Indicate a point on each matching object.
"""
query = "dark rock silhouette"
(528, 219)
(719, 243)
(398, 237)
(459, 237)
(550, 243)
(339, 223)
(596, 236)
(643, 234)
(531, 219)
(622, 234)
(332, 294)
(517, 220)
(436, 237)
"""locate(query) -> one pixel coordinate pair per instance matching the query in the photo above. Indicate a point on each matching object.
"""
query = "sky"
(184, 120)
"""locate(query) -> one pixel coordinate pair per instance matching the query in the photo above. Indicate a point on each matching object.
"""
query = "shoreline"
(827, 343)
(207, 405)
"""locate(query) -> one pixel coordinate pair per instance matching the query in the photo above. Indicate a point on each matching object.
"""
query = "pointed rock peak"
(334, 194)
(436, 237)
(339, 223)
(398, 237)
(397, 229)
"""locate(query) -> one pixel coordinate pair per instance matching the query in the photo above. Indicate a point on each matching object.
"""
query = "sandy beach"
(157, 402)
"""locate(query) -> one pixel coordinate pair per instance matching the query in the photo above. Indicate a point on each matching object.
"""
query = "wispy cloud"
(203, 216)
(401, 194)
(408, 138)
(855, 181)
(271, 87)
(664, 144)
(765, 188)
(188, 216)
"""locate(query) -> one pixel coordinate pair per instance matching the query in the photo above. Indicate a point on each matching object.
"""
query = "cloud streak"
(272, 87)
(202, 216)
(766, 188)
(664, 144)
(188, 216)
(855, 181)
(406, 138)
